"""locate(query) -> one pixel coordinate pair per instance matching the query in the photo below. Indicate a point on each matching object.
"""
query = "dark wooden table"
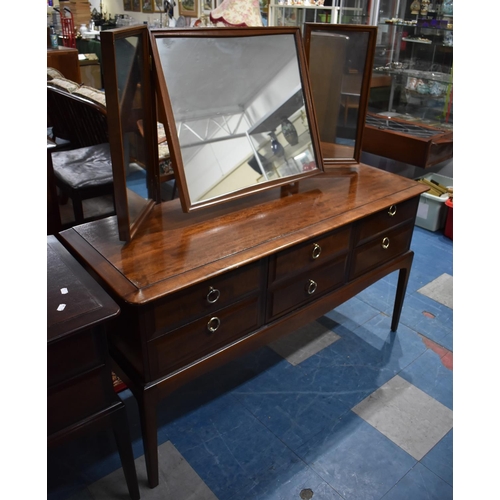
(80, 391)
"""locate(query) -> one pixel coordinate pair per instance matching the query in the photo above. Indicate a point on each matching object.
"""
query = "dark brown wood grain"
(80, 394)
(257, 252)
(418, 151)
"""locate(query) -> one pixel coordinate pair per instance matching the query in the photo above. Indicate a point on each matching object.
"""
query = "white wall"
(114, 7)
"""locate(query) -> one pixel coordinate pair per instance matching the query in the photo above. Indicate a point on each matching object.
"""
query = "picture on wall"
(188, 8)
(127, 5)
(136, 5)
(148, 6)
(208, 5)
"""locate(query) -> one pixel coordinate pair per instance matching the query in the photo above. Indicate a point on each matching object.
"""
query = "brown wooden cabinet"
(80, 394)
(197, 290)
(65, 60)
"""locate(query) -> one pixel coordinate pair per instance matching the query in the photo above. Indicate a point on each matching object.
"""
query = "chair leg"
(77, 208)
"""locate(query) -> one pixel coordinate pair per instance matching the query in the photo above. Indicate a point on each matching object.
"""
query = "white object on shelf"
(431, 212)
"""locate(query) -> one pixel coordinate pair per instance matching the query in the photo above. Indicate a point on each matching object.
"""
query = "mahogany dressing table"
(198, 290)
(202, 282)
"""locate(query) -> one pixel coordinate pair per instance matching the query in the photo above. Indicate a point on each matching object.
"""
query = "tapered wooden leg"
(77, 209)
(404, 275)
(124, 444)
(147, 412)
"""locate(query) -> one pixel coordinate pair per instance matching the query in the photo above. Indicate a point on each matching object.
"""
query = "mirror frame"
(346, 29)
(165, 108)
(123, 203)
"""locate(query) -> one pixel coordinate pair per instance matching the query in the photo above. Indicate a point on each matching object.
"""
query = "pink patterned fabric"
(237, 13)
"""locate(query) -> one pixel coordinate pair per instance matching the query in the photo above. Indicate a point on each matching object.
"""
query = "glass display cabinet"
(299, 12)
(412, 84)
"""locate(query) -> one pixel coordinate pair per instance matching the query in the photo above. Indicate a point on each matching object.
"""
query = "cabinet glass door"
(413, 67)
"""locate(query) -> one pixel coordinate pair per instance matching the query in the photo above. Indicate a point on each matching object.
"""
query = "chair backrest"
(76, 118)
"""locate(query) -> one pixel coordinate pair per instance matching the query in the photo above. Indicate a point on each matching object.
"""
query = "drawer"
(385, 219)
(381, 249)
(306, 287)
(211, 295)
(194, 341)
(81, 398)
(75, 354)
(315, 252)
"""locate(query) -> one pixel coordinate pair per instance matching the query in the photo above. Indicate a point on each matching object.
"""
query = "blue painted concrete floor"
(342, 409)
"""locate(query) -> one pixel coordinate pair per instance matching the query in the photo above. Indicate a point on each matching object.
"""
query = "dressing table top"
(174, 249)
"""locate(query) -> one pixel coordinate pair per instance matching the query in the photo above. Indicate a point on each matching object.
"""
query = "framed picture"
(136, 5)
(188, 8)
(208, 5)
(127, 5)
(148, 6)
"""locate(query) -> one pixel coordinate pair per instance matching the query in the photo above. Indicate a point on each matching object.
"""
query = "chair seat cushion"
(84, 167)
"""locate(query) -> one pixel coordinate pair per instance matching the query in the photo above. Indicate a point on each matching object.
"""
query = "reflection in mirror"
(129, 112)
(339, 67)
(239, 108)
(129, 63)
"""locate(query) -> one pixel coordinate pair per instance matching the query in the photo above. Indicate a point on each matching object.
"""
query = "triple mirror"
(236, 107)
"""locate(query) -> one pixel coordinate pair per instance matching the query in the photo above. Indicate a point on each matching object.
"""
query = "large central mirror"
(238, 109)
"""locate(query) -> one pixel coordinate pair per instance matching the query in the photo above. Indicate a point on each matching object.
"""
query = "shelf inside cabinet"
(413, 40)
(426, 75)
(270, 122)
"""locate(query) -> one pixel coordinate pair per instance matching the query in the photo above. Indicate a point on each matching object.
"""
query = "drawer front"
(385, 219)
(204, 336)
(306, 287)
(75, 354)
(84, 396)
(381, 249)
(315, 252)
(206, 297)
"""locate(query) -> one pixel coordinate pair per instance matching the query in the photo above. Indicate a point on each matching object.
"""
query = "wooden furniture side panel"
(398, 147)
(127, 335)
(422, 153)
(79, 398)
(75, 354)
(65, 60)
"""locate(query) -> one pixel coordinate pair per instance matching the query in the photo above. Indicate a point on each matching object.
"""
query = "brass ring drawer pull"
(213, 324)
(213, 295)
(316, 251)
(385, 243)
(311, 287)
(392, 210)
